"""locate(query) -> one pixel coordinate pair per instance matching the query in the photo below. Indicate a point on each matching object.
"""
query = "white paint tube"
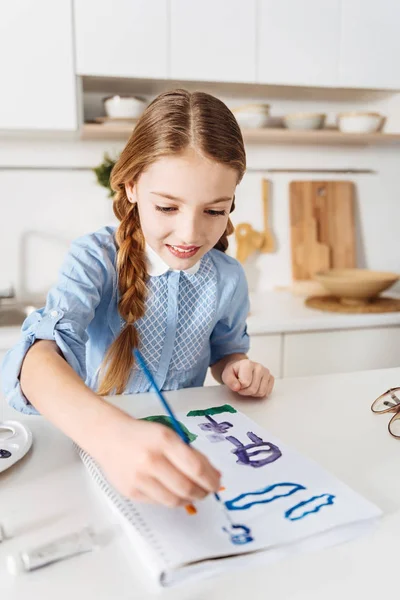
(59, 549)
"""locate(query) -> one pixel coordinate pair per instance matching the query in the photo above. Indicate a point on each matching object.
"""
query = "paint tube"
(59, 549)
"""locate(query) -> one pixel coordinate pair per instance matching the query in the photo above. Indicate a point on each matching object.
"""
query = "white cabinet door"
(298, 42)
(370, 44)
(265, 349)
(213, 40)
(340, 351)
(121, 38)
(37, 76)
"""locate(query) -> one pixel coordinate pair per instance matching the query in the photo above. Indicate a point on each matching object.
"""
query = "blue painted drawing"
(238, 537)
(245, 454)
(263, 496)
(308, 507)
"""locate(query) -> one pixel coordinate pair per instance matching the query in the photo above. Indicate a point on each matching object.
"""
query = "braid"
(132, 277)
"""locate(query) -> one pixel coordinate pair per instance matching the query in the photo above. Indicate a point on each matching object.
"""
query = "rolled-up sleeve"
(229, 335)
(70, 307)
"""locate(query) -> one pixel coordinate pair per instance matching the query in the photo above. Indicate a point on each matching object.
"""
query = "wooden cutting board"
(322, 226)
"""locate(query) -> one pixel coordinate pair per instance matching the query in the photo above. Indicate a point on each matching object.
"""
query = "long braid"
(132, 277)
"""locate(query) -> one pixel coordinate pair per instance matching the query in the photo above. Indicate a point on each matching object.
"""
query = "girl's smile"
(183, 252)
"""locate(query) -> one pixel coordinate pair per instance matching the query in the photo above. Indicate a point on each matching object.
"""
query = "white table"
(327, 418)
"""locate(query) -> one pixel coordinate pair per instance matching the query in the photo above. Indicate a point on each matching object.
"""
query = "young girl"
(160, 281)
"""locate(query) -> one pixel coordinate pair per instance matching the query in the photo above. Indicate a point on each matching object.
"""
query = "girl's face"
(184, 203)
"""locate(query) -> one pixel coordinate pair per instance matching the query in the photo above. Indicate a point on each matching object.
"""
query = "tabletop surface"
(327, 418)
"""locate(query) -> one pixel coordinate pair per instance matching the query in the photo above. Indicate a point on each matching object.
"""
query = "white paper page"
(300, 484)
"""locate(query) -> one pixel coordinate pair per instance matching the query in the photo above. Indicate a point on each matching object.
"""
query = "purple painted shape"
(245, 457)
(215, 427)
(215, 437)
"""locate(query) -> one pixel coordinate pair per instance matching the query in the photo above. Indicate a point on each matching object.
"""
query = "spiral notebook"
(279, 503)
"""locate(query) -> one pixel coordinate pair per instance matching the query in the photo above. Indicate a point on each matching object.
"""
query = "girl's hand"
(150, 463)
(248, 378)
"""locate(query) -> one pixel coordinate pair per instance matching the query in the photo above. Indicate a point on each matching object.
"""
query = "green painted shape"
(216, 410)
(164, 420)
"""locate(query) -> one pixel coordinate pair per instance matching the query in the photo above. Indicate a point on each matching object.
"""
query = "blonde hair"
(173, 122)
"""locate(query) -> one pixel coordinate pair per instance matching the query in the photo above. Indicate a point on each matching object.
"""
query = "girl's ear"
(130, 190)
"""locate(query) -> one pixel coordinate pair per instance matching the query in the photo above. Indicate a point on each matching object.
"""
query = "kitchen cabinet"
(347, 44)
(213, 40)
(276, 42)
(320, 352)
(298, 43)
(265, 349)
(122, 38)
(370, 44)
(37, 67)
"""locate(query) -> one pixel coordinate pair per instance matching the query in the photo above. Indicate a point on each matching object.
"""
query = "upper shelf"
(93, 131)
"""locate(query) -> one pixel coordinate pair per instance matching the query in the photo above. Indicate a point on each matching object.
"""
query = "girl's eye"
(212, 213)
(165, 209)
(216, 213)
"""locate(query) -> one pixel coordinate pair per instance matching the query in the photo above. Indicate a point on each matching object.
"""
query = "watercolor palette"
(15, 441)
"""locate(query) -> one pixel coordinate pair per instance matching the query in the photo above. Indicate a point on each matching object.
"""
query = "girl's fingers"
(176, 482)
(270, 384)
(193, 464)
(244, 370)
(140, 497)
(262, 383)
(264, 386)
(151, 490)
(230, 379)
(254, 386)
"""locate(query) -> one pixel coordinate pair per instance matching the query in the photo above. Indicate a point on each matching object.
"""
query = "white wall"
(42, 209)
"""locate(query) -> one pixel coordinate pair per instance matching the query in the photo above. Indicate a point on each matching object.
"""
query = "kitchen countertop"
(276, 312)
(327, 418)
(283, 312)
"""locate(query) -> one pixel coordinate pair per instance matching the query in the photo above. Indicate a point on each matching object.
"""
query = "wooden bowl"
(356, 286)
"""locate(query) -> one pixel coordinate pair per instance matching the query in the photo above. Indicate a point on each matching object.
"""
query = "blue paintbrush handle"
(146, 371)
(175, 422)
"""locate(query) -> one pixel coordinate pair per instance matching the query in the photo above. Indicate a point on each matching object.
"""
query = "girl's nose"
(189, 231)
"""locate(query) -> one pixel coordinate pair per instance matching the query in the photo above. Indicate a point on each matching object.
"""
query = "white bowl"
(304, 121)
(252, 116)
(119, 107)
(359, 122)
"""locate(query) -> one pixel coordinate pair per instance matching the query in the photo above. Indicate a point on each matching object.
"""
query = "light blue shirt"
(193, 318)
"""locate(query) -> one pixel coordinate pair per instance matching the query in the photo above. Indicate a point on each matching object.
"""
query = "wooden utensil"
(248, 239)
(268, 242)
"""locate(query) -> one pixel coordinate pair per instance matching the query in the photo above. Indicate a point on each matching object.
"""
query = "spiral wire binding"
(125, 507)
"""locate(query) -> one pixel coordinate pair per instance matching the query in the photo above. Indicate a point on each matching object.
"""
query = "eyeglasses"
(389, 402)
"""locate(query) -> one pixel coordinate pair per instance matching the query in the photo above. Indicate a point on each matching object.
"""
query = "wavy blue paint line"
(295, 487)
(329, 501)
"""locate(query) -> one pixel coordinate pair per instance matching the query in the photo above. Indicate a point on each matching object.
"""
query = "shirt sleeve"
(70, 307)
(229, 335)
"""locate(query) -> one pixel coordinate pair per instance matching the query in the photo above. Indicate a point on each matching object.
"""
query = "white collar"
(156, 266)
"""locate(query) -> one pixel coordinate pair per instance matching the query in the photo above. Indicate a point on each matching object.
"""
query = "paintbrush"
(175, 423)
